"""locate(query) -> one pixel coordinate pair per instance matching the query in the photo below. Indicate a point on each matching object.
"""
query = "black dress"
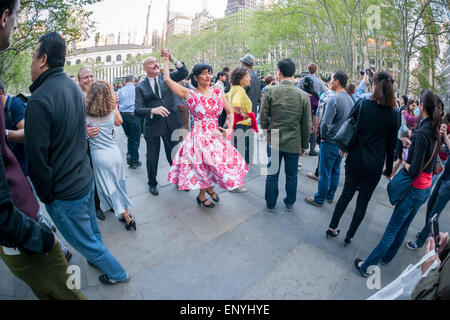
(374, 146)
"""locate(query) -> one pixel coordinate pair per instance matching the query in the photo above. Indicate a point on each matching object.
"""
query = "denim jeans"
(329, 171)
(77, 222)
(291, 170)
(438, 200)
(397, 228)
(42, 218)
(131, 127)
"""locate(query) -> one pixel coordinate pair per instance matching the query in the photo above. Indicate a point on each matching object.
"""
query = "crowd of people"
(58, 148)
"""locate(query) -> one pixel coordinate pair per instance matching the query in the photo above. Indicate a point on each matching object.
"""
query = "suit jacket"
(254, 91)
(146, 100)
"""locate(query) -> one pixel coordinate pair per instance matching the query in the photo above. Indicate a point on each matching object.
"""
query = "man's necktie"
(157, 88)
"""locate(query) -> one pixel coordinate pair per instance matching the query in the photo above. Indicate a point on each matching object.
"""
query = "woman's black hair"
(197, 71)
(428, 99)
(237, 75)
(308, 87)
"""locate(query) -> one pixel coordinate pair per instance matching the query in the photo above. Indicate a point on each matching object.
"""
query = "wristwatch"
(7, 134)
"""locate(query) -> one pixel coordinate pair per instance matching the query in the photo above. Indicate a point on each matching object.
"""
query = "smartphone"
(434, 222)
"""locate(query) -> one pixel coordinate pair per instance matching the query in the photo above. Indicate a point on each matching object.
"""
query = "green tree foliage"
(36, 18)
(336, 34)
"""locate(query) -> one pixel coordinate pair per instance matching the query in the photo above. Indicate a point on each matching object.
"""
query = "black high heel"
(200, 202)
(332, 234)
(130, 225)
(122, 219)
(217, 199)
(347, 241)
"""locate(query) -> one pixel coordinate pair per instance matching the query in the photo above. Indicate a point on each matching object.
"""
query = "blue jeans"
(132, 129)
(291, 170)
(77, 222)
(329, 171)
(438, 200)
(397, 228)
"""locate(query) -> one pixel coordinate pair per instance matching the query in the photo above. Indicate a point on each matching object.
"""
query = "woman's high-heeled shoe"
(122, 219)
(347, 241)
(216, 199)
(130, 225)
(200, 202)
(332, 234)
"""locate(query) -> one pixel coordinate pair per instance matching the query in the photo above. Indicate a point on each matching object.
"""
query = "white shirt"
(152, 84)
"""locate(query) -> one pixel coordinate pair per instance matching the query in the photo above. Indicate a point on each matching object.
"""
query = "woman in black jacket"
(419, 166)
(374, 145)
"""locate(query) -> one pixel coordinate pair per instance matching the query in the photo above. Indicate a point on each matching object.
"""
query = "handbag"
(346, 135)
(400, 184)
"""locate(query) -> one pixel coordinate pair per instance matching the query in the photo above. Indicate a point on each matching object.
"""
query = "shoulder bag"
(399, 186)
(346, 135)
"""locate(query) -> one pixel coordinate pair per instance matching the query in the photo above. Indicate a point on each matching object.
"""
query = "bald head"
(85, 78)
(151, 67)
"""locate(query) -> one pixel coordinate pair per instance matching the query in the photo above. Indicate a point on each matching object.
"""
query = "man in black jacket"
(156, 104)
(28, 247)
(56, 153)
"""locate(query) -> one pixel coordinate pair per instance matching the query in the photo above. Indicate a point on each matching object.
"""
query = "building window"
(108, 58)
(129, 56)
(98, 59)
(119, 58)
(78, 61)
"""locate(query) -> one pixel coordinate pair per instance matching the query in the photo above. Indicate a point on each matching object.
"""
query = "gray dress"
(109, 172)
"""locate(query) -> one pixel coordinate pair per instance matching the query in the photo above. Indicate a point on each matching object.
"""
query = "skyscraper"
(235, 6)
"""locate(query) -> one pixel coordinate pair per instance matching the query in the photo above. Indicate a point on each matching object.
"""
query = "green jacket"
(288, 109)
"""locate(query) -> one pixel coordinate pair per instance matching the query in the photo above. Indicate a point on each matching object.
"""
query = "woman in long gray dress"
(109, 172)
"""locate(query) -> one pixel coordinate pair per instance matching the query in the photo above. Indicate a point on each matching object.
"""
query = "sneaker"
(313, 202)
(108, 282)
(312, 176)
(136, 165)
(313, 154)
(288, 208)
(270, 210)
(329, 201)
(412, 245)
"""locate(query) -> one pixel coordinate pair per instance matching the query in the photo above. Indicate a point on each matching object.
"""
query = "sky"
(114, 16)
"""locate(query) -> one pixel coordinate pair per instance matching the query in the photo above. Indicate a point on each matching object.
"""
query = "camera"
(366, 71)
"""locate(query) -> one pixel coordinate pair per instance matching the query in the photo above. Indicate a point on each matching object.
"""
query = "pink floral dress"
(205, 159)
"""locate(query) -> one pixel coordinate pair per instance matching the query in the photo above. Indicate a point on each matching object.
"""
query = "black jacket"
(376, 139)
(147, 100)
(421, 149)
(254, 91)
(55, 138)
(18, 230)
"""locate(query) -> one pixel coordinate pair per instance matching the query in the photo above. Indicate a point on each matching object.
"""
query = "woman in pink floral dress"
(206, 157)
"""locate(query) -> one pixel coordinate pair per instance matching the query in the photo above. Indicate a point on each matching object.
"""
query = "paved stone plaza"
(237, 250)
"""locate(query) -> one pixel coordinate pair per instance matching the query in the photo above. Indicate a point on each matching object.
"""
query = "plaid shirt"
(319, 86)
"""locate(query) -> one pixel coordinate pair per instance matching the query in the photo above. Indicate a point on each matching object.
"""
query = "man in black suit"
(155, 103)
